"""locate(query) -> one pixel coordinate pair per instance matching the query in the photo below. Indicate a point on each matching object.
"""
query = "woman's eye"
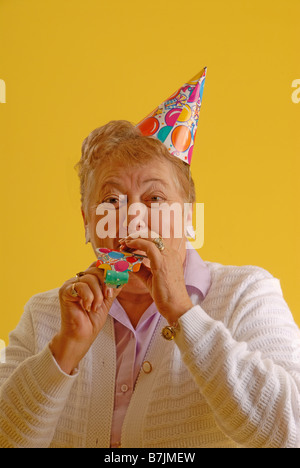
(110, 203)
(112, 200)
(156, 199)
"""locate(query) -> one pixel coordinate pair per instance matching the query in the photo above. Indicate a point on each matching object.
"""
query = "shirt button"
(124, 388)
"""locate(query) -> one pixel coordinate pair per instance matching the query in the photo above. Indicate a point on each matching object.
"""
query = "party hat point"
(175, 121)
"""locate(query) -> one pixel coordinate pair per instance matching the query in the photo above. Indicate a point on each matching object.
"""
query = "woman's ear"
(188, 222)
(86, 227)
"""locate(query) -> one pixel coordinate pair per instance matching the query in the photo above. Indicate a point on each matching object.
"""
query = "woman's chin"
(146, 260)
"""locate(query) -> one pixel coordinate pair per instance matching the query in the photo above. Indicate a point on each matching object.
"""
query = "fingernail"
(110, 292)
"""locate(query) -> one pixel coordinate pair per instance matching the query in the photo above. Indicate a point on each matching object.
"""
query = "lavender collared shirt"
(132, 344)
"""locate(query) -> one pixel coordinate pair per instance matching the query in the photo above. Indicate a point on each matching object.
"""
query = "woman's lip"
(125, 248)
(140, 252)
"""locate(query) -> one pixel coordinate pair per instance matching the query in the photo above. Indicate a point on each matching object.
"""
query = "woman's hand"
(82, 317)
(164, 279)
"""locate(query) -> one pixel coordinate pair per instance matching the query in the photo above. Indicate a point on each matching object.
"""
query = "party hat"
(174, 122)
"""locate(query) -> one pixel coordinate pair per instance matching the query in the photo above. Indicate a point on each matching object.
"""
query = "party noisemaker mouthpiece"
(175, 121)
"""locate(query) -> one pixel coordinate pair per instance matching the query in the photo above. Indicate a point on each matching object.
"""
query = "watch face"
(168, 333)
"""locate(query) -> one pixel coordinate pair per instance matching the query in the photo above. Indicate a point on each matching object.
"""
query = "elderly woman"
(90, 365)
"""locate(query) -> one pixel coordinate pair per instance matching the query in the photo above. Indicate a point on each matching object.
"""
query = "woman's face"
(127, 200)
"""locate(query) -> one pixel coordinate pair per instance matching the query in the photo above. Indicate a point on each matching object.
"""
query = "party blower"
(117, 265)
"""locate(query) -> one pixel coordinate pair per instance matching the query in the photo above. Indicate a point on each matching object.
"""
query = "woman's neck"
(134, 305)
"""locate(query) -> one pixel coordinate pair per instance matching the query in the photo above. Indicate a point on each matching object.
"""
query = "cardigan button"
(147, 367)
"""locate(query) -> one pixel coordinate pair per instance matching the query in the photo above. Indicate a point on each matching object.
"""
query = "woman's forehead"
(136, 175)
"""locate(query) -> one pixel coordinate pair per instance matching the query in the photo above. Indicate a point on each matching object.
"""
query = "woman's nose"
(133, 217)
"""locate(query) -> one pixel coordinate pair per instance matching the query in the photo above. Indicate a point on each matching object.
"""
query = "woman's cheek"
(168, 221)
(106, 225)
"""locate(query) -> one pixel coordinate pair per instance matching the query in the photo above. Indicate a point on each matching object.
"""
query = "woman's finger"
(96, 287)
(148, 246)
(83, 293)
(98, 273)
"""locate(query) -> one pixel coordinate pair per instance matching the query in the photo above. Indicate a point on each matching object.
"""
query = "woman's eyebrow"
(118, 184)
(110, 183)
(163, 182)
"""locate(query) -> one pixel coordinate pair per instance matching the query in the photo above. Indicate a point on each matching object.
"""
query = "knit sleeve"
(248, 369)
(33, 390)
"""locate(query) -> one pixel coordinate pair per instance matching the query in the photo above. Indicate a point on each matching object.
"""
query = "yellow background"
(70, 66)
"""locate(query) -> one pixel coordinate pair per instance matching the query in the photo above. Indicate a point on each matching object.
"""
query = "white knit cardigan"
(230, 378)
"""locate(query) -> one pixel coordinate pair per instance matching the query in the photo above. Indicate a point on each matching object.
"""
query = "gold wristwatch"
(169, 332)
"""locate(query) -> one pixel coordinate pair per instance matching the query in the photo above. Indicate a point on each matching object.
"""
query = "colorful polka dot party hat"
(174, 122)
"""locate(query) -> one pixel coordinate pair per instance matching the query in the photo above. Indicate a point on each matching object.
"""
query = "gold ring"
(81, 273)
(159, 243)
(74, 293)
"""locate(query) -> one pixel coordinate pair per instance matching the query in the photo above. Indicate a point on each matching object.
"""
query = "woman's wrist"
(66, 353)
(179, 309)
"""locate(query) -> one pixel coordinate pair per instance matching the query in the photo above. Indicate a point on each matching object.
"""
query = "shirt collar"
(117, 312)
(196, 272)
